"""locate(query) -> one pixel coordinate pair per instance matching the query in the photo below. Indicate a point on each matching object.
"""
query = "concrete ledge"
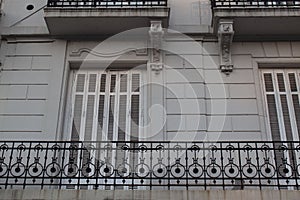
(257, 24)
(30, 194)
(256, 12)
(100, 21)
(107, 12)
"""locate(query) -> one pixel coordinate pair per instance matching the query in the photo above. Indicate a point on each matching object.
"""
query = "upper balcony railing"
(107, 3)
(150, 165)
(255, 4)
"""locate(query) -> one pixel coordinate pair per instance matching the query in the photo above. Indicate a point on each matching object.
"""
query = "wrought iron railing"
(255, 4)
(150, 165)
(107, 3)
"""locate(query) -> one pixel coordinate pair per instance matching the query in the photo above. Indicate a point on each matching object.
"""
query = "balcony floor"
(101, 21)
(251, 24)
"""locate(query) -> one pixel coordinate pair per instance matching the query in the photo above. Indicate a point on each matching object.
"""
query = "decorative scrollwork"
(115, 165)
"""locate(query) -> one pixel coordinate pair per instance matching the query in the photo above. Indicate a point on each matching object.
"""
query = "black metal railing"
(150, 165)
(255, 4)
(106, 3)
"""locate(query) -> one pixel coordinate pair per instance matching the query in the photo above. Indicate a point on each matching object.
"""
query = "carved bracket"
(225, 34)
(156, 34)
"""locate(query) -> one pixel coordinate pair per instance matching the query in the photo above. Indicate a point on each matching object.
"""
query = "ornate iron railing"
(255, 4)
(107, 3)
(150, 165)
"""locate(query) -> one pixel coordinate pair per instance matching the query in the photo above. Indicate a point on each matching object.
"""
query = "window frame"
(288, 93)
(69, 114)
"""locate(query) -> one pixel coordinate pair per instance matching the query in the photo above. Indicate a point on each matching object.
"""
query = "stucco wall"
(197, 97)
(30, 88)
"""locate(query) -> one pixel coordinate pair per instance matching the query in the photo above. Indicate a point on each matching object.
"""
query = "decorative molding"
(12, 40)
(157, 67)
(138, 52)
(225, 35)
(156, 34)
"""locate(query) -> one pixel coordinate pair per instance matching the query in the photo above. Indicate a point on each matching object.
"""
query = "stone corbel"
(225, 35)
(156, 34)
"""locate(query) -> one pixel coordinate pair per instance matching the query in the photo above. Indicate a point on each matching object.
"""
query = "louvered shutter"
(78, 104)
(282, 98)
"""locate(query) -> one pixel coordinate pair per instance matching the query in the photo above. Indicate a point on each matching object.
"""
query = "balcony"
(259, 19)
(102, 17)
(150, 165)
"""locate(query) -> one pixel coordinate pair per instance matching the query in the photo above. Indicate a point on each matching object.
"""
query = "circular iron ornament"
(249, 170)
(297, 148)
(125, 147)
(124, 170)
(248, 148)
(106, 170)
(142, 170)
(298, 169)
(3, 169)
(53, 170)
(230, 147)
(231, 170)
(160, 147)
(160, 170)
(265, 147)
(285, 170)
(213, 170)
(70, 170)
(267, 170)
(35, 169)
(177, 170)
(17, 169)
(143, 148)
(195, 170)
(194, 148)
(88, 170)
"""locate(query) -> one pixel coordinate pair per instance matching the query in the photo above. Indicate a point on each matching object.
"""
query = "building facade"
(118, 78)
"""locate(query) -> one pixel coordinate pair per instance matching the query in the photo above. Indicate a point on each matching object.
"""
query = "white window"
(282, 89)
(106, 106)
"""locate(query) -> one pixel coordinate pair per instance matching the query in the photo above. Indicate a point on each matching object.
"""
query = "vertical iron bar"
(27, 164)
(258, 167)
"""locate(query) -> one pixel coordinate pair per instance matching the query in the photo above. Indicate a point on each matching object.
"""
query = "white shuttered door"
(106, 106)
(282, 92)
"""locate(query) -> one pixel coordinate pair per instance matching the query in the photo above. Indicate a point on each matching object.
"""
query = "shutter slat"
(92, 82)
(89, 119)
(135, 111)
(103, 83)
(113, 83)
(268, 82)
(80, 83)
(111, 118)
(297, 111)
(286, 117)
(77, 117)
(135, 83)
(293, 83)
(100, 117)
(281, 84)
(273, 117)
(123, 83)
(122, 117)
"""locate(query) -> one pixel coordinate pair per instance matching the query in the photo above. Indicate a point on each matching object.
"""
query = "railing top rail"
(107, 3)
(148, 142)
(255, 4)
